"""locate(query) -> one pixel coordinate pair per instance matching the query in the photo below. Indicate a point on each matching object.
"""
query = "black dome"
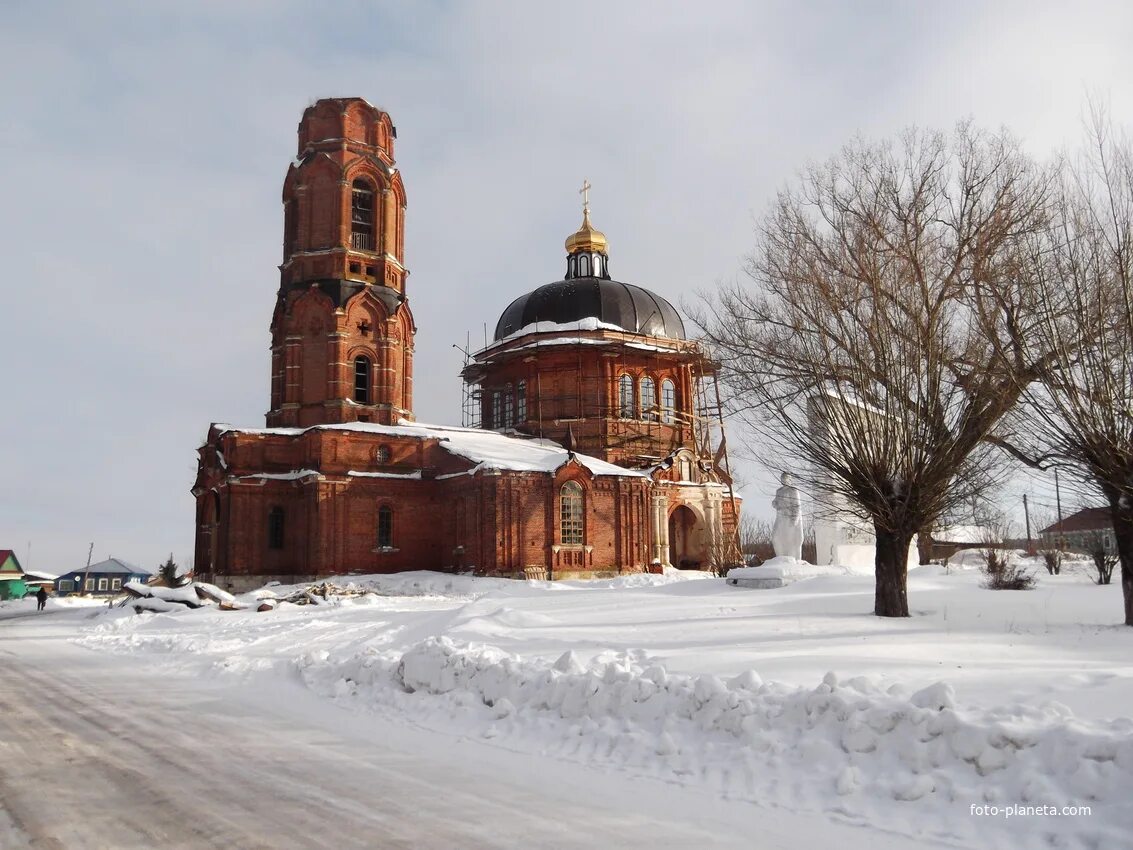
(629, 307)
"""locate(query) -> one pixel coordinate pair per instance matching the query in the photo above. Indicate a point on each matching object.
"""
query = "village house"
(1082, 532)
(102, 579)
(13, 582)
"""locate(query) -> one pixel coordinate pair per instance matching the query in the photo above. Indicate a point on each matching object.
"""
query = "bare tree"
(997, 530)
(1104, 560)
(1084, 403)
(861, 344)
(755, 536)
(1050, 547)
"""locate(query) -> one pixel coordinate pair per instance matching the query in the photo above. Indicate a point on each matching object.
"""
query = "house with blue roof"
(102, 579)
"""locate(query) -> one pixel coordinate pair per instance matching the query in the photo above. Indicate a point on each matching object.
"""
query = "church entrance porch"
(687, 537)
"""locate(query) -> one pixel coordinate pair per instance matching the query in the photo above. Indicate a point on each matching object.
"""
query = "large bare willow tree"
(860, 346)
(1083, 407)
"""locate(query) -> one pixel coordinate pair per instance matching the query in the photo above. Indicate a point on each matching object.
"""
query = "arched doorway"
(686, 539)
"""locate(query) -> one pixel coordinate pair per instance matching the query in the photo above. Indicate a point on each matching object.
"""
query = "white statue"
(787, 536)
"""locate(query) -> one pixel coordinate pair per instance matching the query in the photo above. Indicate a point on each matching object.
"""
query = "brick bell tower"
(342, 332)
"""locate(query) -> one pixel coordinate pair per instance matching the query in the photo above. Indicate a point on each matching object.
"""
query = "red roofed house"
(1082, 531)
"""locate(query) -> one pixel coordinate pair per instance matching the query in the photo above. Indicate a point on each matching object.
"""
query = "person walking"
(41, 595)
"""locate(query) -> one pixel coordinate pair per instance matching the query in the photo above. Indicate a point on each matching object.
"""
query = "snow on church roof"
(489, 450)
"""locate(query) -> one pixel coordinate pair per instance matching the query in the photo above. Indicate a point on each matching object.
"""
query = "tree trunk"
(891, 563)
(924, 545)
(1123, 531)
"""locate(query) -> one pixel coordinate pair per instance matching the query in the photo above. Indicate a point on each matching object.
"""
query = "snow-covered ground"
(795, 698)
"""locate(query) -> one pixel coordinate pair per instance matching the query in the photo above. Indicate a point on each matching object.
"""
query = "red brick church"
(586, 449)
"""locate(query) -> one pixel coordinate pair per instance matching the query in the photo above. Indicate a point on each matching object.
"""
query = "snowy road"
(99, 752)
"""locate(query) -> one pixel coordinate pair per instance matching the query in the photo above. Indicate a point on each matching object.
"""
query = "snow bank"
(792, 569)
(185, 595)
(912, 763)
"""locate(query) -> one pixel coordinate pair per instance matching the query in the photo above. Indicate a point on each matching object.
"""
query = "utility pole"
(1058, 502)
(1027, 517)
(86, 573)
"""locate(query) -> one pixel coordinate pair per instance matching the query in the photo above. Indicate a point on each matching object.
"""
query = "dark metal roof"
(630, 307)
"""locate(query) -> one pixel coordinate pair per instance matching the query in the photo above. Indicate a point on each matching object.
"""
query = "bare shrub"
(755, 537)
(1004, 573)
(1104, 560)
(1052, 559)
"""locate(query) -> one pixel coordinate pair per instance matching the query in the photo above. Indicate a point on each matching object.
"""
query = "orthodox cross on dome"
(585, 192)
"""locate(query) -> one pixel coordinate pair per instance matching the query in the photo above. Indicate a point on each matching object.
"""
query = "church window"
(521, 402)
(648, 399)
(684, 468)
(362, 380)
(497, 410)
(625, 397)
(385, 527)
(275, 528)
(583, 266)
(509, 408)
(570, 514)
(381, 454)
(362, 216)
(668, 400)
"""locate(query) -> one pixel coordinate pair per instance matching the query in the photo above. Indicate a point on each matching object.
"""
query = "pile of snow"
(844, 747)
(792, 569)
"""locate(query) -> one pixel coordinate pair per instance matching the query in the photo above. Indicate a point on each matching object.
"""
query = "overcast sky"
(144, 145)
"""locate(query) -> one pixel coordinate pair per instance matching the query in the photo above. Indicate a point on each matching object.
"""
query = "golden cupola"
(587, 238)
(587, 248)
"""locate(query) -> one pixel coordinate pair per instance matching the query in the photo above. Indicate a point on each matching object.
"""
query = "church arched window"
(362, 372)
(571, 531)
(625, 397)
(684, 468)
(362, 216)
(385, 527)
(275, 528)
(584, 266)
(521, 402)
(668, 400)
(648, 399)
(509, 407)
